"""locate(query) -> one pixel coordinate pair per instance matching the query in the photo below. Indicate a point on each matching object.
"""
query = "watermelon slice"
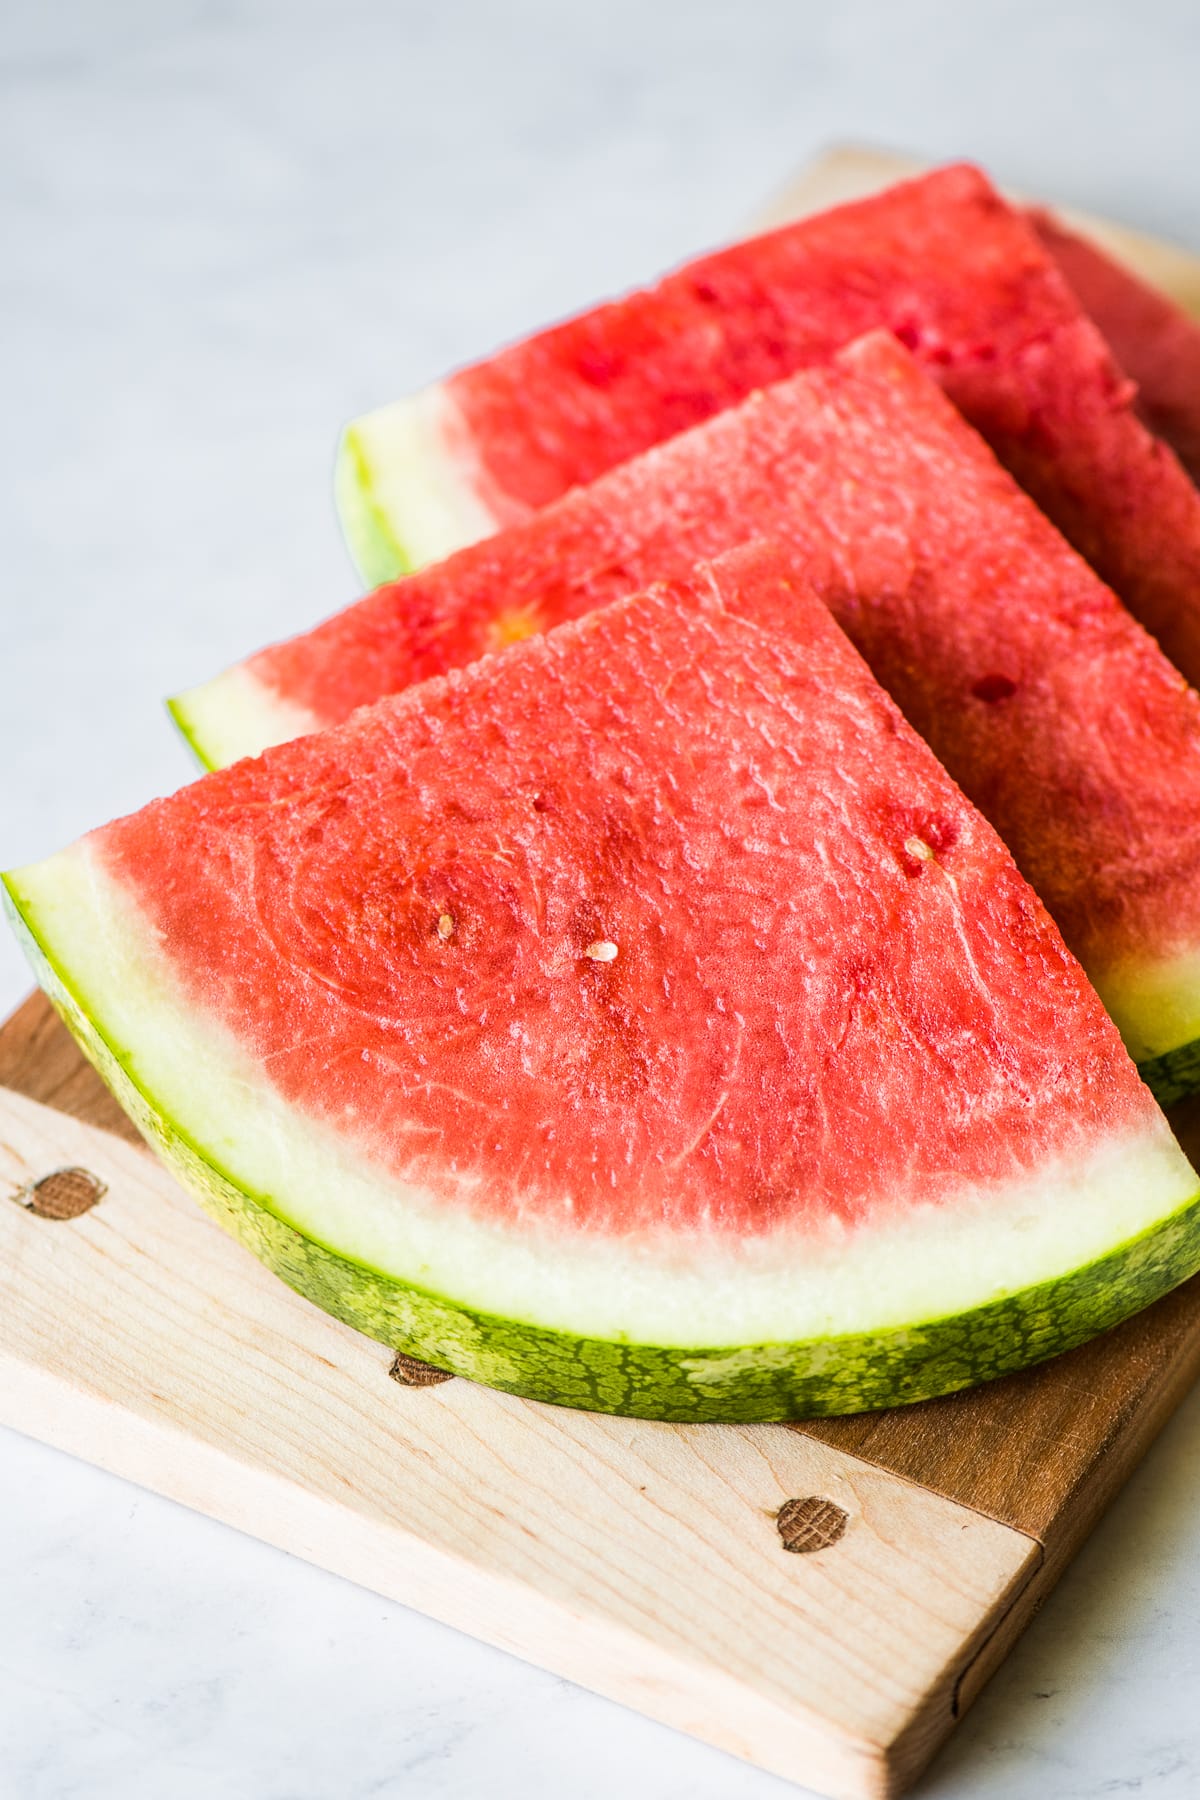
(1155, 341)
(943, 262)
(1055, 711)
(1141, 293)
(641, 1020)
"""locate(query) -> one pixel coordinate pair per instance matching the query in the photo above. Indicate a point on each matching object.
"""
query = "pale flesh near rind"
(407, 488)
(237, 715)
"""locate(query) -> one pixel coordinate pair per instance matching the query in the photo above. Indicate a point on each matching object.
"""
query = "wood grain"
(39, 1057)
(645, 1561)
(1029, 1448)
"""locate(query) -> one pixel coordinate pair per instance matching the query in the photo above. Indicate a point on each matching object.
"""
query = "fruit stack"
(708, 935)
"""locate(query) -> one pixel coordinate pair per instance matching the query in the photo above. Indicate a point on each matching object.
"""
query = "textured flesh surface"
(544, 803)
(1053, 709)
(398, 925)
(953, 271)
(1152, 338)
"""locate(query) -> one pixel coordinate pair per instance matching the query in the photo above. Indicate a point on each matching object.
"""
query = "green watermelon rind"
(755, 1382)
(1174, 1075)
(181, 719)
(374, 547)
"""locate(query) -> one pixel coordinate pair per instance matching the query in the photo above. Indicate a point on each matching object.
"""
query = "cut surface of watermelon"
(1153, 339)
(1059, 716)
(641, 1019)
(942, 261)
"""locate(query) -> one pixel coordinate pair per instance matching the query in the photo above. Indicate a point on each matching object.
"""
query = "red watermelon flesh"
(1057, 713)
(946, 265)
(634, 781)
(648, 987)
(1155, 341)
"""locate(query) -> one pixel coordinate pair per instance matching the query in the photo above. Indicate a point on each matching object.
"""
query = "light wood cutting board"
(824, 1600)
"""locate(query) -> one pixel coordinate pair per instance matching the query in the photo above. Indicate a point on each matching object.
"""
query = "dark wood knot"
(409, 1372)
(811, 1524)
(63, 1194)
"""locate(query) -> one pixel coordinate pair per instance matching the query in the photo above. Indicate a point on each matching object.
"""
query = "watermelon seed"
(445, 926)
(919, 848)
(992, 688)
(601, 951)
(811, 1524)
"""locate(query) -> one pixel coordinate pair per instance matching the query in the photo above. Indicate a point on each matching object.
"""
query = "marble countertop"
(226, 227)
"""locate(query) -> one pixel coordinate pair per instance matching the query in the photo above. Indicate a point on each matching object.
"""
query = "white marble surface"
(223, 228)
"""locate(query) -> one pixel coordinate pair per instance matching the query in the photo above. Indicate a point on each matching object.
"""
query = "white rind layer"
(236, 715)
(922, 1264)
(407, 486)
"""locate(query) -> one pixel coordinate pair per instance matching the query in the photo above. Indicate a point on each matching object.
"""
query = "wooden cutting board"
(824, 1600)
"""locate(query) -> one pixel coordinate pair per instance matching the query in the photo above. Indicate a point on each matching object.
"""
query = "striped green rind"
(377, 554)
(762, 1381)
(1174, 1075)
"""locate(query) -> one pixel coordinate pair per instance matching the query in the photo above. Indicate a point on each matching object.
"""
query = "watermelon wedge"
(1058, 715)
(641, 1020)
(942, 261)
(1152, 338)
